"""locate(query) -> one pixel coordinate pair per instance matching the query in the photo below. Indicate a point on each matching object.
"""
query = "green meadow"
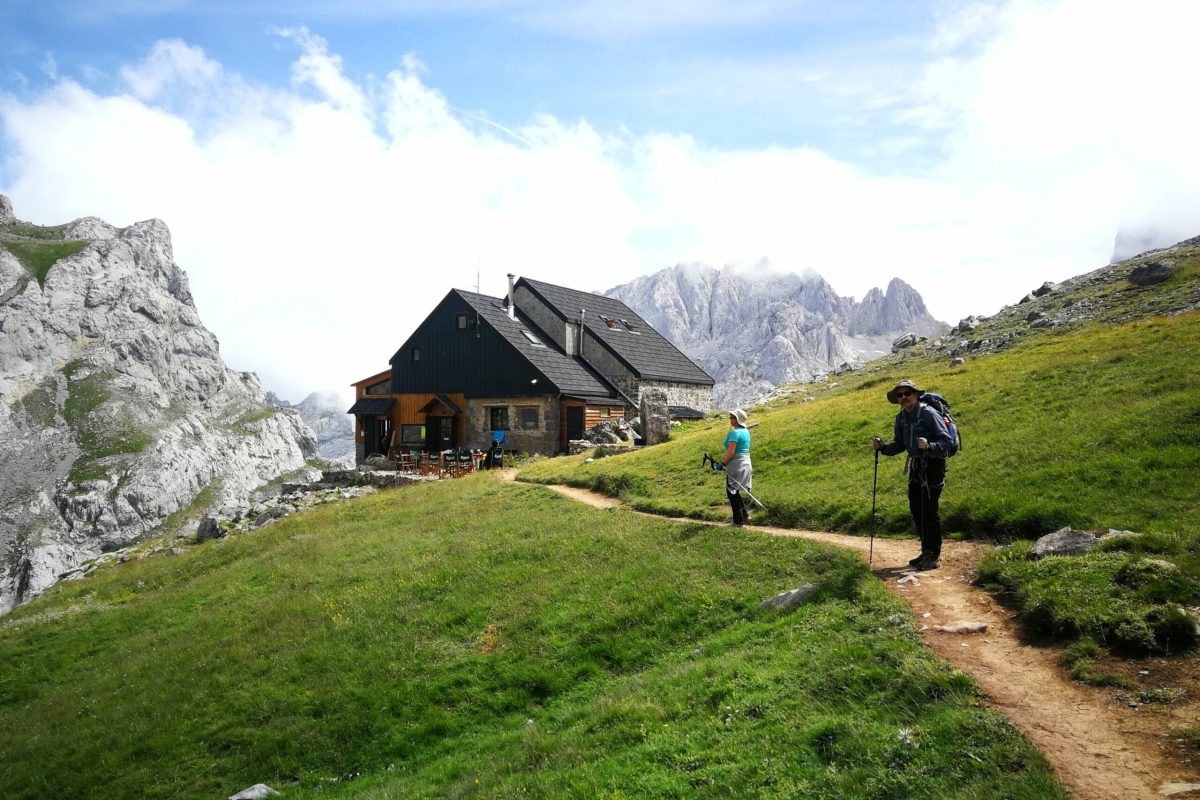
(476, 638)
(1094, 427)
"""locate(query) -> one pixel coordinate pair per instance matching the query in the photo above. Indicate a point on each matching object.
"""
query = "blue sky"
(322, 154)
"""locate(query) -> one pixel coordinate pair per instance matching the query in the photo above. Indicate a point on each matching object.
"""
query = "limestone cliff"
(116, 410)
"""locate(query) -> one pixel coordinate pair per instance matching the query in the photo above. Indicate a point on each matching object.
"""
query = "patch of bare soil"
(1103, 743)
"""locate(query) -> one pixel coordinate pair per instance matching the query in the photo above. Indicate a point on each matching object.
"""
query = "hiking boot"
(912, 562)
(926, 563)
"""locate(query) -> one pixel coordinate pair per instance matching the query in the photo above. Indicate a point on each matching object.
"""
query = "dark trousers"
(925, 484)
(740, 515)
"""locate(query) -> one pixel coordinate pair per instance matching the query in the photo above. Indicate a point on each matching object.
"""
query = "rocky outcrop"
(1148, 285)
(116, 410)
(755, 330)
(325, 414)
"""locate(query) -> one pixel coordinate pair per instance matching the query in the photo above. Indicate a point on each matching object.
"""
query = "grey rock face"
(755, 330)
(116, 409)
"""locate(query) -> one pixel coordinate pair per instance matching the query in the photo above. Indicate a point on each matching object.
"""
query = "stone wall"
(684, 394)
(543, 439)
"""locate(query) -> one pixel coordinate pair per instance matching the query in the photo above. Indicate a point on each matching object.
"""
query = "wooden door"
(439, 433)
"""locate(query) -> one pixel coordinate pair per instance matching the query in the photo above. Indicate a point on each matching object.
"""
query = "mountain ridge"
(753, 330)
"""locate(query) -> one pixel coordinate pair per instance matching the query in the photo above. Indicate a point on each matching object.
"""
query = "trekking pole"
(874, 487)
(741, 488)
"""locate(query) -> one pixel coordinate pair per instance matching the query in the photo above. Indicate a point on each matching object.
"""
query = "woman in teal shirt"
(739, 474)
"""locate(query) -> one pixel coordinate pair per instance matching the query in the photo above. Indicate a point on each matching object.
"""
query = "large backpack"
(942, 406)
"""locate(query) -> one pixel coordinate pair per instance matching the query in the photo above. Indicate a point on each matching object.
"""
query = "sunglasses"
(905, 393)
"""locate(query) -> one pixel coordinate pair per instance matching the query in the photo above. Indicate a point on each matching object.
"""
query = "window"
(412, 434)
(528, 417)
(383, 387)
(533, 340)
(416, 354)
(612, 323)
(498, 418)
(460, 322)
(629, 326)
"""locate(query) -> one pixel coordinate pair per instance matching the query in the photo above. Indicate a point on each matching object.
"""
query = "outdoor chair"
(494, 458)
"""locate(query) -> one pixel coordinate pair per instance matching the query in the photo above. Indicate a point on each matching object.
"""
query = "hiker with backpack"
(926, 433)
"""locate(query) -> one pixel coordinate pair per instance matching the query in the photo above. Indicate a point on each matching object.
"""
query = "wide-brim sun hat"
(904, 384)
(740, 416)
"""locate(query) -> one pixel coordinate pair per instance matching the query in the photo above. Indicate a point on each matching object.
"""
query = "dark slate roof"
(646, 352)
(371, 406)
(568, 373)
(684, 412)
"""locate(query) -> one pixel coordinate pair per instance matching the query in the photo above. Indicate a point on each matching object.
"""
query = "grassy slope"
(490, 640)
(39, 256)
(1093, 426)
(1085, 428)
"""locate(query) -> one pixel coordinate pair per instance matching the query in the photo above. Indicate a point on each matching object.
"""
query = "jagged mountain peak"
(753, 328)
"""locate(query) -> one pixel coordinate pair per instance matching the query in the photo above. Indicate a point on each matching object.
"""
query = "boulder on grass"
(1064, 542)
(256, 792)
(1152, 272)
(791, 598)
(209, 529)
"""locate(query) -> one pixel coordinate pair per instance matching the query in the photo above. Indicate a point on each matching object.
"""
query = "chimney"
(512, 311)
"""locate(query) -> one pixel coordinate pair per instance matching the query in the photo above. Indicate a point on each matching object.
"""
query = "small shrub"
(1158, 696)
(1080, 658)
(992, 566)
(1190, 737)
(1144, 543)
(600, 453)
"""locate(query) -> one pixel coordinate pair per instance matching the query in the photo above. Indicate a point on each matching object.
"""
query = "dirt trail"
(1100, 748)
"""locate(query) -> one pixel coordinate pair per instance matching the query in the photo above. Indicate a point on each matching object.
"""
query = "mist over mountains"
(755, 329)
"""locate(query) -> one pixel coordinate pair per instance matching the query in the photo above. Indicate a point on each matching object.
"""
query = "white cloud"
(319, 223)
(171, 63)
